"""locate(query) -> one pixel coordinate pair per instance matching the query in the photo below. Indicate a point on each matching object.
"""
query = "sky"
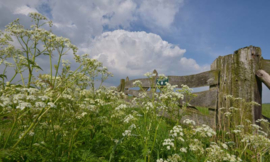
(132, 37)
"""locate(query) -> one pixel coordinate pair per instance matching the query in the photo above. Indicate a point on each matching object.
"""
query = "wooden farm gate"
(233, 74)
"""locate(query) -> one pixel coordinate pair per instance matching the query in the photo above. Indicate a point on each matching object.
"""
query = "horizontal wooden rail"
(146, 82)
(207, 78)
(206, 99)
(266, 66)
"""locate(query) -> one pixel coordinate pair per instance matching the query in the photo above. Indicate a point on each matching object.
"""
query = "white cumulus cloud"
(134, 53)
(25, 10)
(85, 19)
(159, 13)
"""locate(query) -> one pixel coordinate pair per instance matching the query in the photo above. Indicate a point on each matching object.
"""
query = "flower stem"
(14, 123)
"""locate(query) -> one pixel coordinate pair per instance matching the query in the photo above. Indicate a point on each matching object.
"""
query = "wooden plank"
(264, 77)
(198, 80)
(266, 65)
(133, 92)
(206, 99)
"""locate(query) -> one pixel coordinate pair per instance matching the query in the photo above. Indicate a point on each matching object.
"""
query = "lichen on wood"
(237, 78)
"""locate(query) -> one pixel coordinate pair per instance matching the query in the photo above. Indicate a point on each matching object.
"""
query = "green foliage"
(203, 110)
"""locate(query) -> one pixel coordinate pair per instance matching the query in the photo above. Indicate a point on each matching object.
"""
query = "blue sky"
(211, 28)
(132, 37)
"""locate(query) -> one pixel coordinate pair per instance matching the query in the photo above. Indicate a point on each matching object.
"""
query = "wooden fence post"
(122, 85)
(238, 78)
(154, 79)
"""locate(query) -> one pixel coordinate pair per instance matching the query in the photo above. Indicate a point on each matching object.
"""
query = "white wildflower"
(137, 83)
(236, 131)
(43, 98)
(40, 104)
(205, 131)
(161, 160)
(127, 133)
(177, 130)
(227, 114)
(229, 96)
(51, 104)
(188, 121)
(148, 74)
(149, 105)
(262, 121)
(168, 143)
(255, 126)
(32, 90)
(233, 108)
(31, 133)
(133, 126)
(23, 105)
(222, 108)
(120, 107)
(224, 146)
(18, 97)
(128, 118)
(183, 149)
(31, 97)
(262, 133)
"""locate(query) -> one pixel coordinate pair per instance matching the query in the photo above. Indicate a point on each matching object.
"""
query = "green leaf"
(38, 52)
(33, 64)
(36, 66)
(248, 151)
(3, 76)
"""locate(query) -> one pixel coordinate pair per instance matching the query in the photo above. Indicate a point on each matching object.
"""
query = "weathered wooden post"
(238, 78)
(155, 76)
(127, 79)
(122, 85)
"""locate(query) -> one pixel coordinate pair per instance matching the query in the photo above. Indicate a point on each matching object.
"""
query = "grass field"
(266, 110)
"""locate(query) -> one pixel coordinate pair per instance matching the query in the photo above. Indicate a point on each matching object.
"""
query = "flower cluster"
(196, 146)
(168, 143)
(177, 132)
(205, 131)
(128, 118)
(189, 122)
(137, 83)
(216, 153)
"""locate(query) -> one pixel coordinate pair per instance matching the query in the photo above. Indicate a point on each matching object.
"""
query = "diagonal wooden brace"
(264, 77)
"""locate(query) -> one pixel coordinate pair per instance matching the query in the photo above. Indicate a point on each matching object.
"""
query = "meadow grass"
(266, 110)
(203, 110)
